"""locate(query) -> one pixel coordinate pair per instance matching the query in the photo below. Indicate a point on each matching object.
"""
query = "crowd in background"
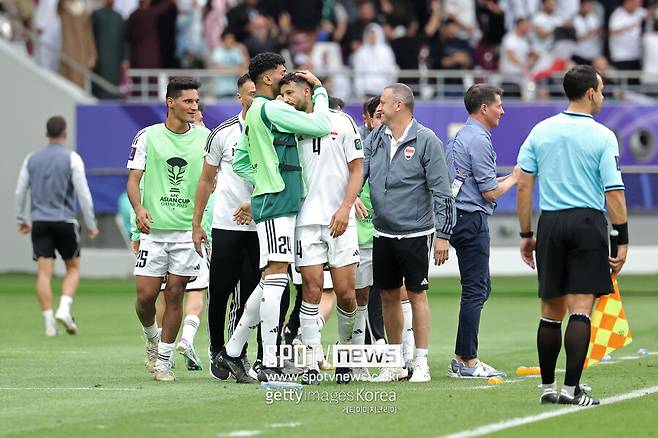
(374, 38)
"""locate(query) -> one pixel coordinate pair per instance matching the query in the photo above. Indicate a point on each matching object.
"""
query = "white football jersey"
(324, 163)
(231, 190)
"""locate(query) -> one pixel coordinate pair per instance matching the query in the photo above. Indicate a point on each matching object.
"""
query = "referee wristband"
(526, 234)
(622, 229)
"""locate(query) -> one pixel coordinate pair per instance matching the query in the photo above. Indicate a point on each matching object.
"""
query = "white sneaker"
(51, 329)
(67, 321)
(421, 373)
(391, 375)
(164, 373)
(151, 353)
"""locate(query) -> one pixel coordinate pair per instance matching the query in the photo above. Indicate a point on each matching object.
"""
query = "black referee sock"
(549, 342)
(576, 343)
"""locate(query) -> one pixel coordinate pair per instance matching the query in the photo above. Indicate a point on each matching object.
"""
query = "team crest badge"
(409, 152)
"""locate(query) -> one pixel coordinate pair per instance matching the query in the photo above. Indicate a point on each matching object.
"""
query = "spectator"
(46, 23)
(326, 62)
(190, 48)
(567, 9)
(491, 20)
(111, 45)
(366, 14)
(463, 13)
(77, 40)
(516, 57)
(399, 18)
(143, 35)
(455, 52)
(650, 59)
(589, 28)
(261, 39)
(231, 59)
(214, 23)
(373, 63)
(240, 16)
(544, 24)
(517, 9)
(625, 30)
(125, 7)
(167, 33)
(612, 89)
(305, 15)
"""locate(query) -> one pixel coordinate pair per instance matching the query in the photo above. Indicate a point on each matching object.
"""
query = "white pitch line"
(241, 433)
(69, 389)
(520, 421)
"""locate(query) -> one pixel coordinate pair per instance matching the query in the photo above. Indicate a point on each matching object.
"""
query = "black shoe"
(217, 371)
(311, 377)
(266, 374)
(580, 399)
(343, 376)
(245, 363)
(548, 398)
(235, 366)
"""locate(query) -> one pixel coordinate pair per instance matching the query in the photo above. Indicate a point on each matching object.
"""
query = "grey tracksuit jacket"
(411, 193)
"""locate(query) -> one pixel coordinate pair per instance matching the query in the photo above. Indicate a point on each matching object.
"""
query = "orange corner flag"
(610, 329)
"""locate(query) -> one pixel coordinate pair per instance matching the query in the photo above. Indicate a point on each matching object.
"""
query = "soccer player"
(267, 156)
(54, 176)
(476, 187)
(174, 152)
(234, 263)
(325, 233)
(411, 202)
(577, 162)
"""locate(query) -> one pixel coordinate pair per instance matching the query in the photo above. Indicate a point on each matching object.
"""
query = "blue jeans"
(470, 238)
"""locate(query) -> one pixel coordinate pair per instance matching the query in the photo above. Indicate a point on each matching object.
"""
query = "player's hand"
(441, 251)
(143, 220)
(93, 233)
(339, 221)
(134, 247)
(310, 77)
(199, 237)
(24, 228)
(360, 209)
(617, 262)
(528, 245)
(243, 216)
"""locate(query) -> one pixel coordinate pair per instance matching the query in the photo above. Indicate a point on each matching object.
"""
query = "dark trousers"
(234, 259)
(375, 321)
(470, 238)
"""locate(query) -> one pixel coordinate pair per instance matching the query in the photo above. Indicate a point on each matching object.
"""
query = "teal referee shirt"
(576, 160)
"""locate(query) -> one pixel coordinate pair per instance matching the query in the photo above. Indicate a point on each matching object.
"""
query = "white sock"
(345, 325)
(321, 322)
(65, 305)
(48, 317)
(151, 332)
(270, 307)
(309, 316)
(547, 388)
(164, 354)
(190, 326)
(359, 333)
(249, 321)
(421, 356)
(408, 342)
(569, 391)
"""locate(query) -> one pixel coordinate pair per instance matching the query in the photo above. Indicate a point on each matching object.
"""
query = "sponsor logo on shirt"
(176, 167)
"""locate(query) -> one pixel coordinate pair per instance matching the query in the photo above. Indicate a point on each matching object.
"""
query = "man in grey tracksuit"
(54, 176)
(413, 209)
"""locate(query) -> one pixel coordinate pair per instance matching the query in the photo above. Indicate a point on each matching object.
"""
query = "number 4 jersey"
(325, 169)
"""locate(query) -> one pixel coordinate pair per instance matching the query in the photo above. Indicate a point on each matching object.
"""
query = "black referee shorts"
(572, 253)
(50, 236)
(394, 260)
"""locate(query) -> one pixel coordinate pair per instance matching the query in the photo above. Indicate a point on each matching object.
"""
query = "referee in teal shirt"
(576, 160)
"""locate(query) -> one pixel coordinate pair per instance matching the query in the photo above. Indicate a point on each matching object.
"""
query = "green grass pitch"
(95, 383)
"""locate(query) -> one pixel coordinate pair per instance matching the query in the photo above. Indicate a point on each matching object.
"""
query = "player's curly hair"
(263, 62)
